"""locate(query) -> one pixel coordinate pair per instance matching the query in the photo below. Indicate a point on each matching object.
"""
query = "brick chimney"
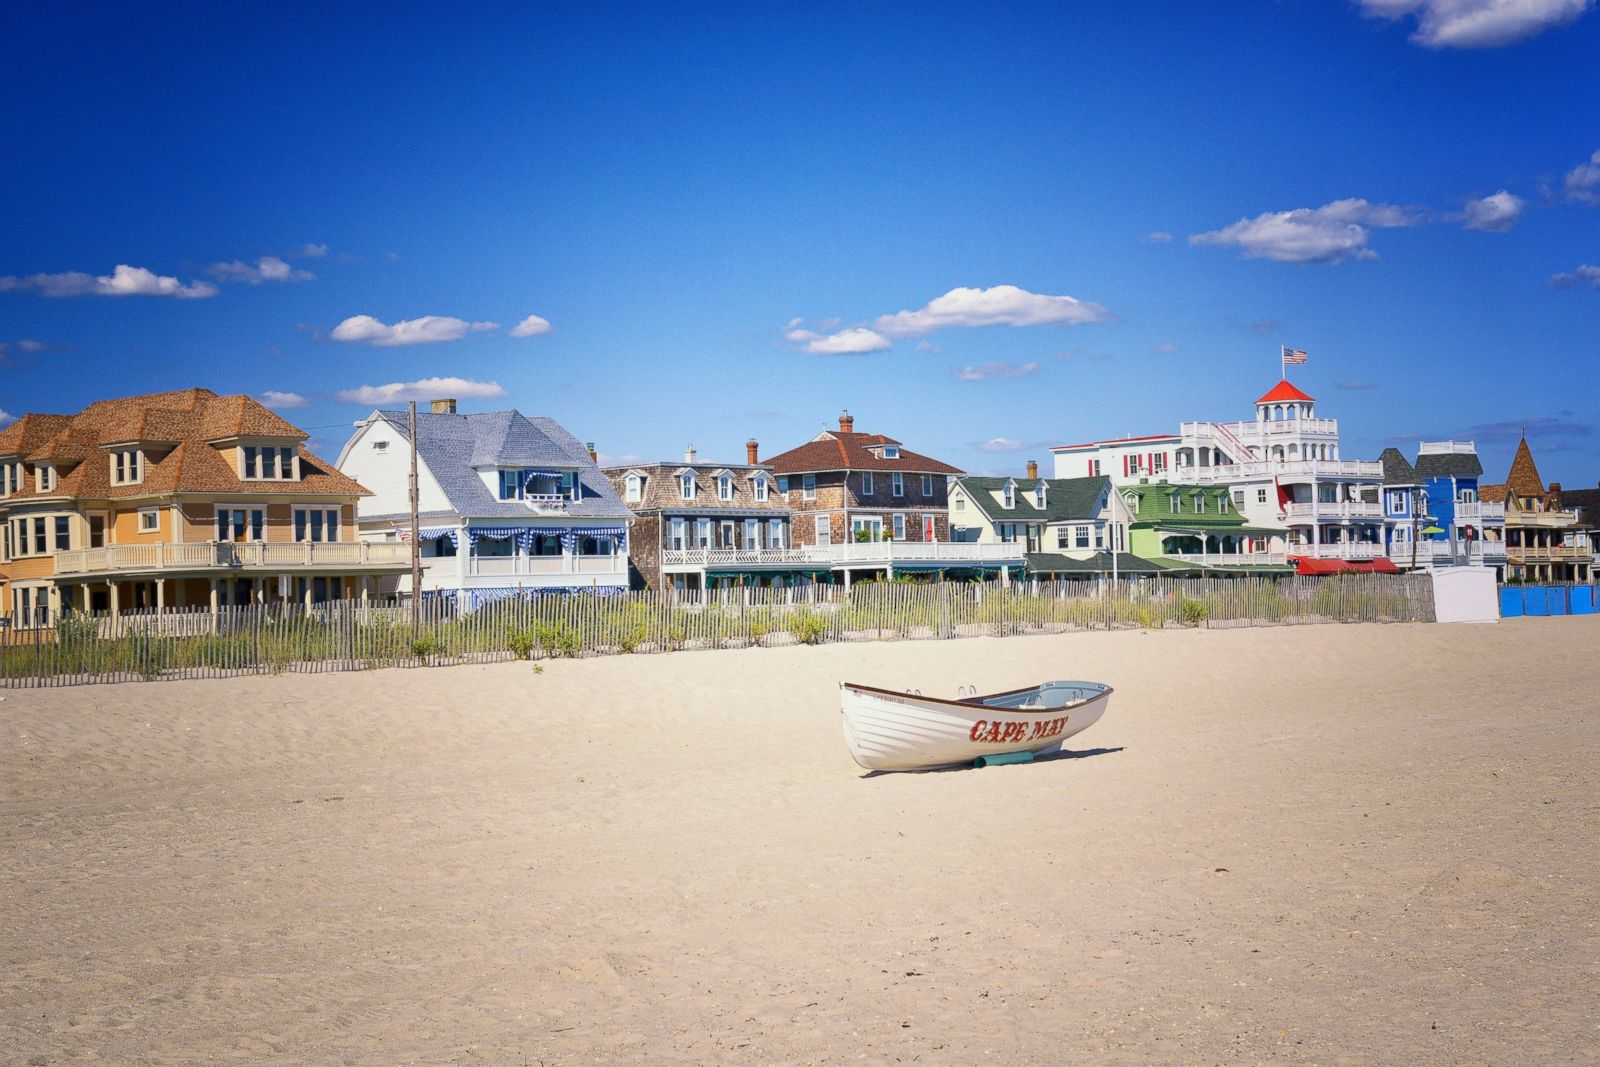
(442, 407)
(688, 454)
(594, 457)
(1033, 468)
(847, 423)
(752, 448)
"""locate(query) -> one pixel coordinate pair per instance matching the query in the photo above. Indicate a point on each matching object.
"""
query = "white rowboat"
(890, 731)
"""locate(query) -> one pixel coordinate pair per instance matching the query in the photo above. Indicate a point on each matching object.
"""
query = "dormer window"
(634, 487)
(724, 486)
(127, 467)
(686, 485)
(1199, 504)
(269, 464)
(759, 488)
(46, 476)
(1039, 494)
(891, 451)
(1177, 503)
(10, 478)
(1222, 504)
(1008, 495)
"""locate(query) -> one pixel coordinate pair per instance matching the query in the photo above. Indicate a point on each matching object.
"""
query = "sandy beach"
(1321, 844)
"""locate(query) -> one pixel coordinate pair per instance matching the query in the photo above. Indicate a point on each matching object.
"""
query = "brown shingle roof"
(1492, 494)
(1524, 477)
(192, 418)
(849, 451)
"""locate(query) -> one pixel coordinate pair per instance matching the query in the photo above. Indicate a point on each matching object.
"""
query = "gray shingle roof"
(1397, 470)
(1449, 465)
(1065, 498)
(452, 445)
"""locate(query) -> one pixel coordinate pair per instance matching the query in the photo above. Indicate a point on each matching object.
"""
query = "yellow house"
(182, 499)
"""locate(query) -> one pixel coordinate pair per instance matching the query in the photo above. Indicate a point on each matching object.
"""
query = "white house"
(508, 505)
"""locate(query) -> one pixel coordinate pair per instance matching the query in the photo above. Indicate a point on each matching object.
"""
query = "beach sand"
(1320, 844)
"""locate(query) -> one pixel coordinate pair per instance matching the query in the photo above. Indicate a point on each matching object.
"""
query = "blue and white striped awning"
(497, 533)
(477, 598)
(428, 533)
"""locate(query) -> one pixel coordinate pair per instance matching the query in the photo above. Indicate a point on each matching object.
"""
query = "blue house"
(509, 505)
(1469, 530)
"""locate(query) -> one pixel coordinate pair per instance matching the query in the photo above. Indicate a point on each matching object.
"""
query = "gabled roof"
(1284, 390)
(452, 445)
(1524, 478)
(1449, 465)
(833, 450)
(1397, 470)
(188, 420)
(1065, 498)
(1155, 506)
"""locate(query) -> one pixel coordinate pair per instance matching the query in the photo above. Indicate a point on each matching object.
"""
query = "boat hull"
(889, 731)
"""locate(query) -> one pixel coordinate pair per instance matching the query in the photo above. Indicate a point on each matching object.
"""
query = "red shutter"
(1124, 464)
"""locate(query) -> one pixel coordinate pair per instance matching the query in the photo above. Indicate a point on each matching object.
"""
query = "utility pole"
(416, 533)
(1419, 501)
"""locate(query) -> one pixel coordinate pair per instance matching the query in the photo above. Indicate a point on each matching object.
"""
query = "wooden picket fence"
(346, 635)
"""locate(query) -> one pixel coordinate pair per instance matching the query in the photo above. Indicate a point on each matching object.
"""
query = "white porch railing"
(1343, 550)
(889, 552)
(1287, 468)
(219, 555)
(1228, 559)
(1329, 509)
(1478, 511)
(516, 566)
(707, 557)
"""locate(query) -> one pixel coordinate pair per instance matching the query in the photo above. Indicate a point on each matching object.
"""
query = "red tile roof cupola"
(1284, 391)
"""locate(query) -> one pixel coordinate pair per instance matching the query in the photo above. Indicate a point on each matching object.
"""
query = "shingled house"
(864, 503)
(180, 499)
(1066, 526)
(1470, 530)
(1545, 542)
(700, 525)
(509, 505)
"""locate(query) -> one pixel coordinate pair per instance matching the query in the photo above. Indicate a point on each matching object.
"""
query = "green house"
(1195, 526)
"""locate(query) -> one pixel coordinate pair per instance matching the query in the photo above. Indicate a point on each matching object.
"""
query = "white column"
(161, 594)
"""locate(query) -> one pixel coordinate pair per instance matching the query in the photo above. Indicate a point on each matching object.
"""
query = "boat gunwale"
(974, 703)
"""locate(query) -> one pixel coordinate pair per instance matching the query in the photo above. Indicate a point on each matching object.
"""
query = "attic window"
(724, 486)
(47, 477)
(686, 485)
(268, 464)
(1008, 495)
(380, 446)
(891, 451)
(1177, 503)
(760, 488)
(127, 467)
(1199, 504)
(1039, 494)
(634, 485)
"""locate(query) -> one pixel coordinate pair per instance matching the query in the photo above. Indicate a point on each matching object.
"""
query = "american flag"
(1293, 355)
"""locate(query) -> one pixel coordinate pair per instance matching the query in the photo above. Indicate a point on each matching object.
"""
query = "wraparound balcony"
(1341, 550)
(1547, 553)
(227, 555)
(1228, 559)
(1258, 470)
(1330, 509)
(865, 554)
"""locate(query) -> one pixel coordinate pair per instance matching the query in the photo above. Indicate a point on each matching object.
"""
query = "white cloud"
(429, 329)
(265, 269)
(852, 341)
(1329, 234)
(1164, 349)
(6, 418)
(1585, 277)
(481, 326)
(1001, 444)
(422, 389)
(627, 459)
(272, 398)
(928, 346)
(1001, 305)
(995, 370)
(123, 281)
(27, 344)
(311, 251)
(1157, 237)
(1496, 213)
(532, 326)
(1583, 181)
(1477, 23)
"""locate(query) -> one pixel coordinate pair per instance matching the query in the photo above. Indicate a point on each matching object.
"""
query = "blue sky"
(1098, 219)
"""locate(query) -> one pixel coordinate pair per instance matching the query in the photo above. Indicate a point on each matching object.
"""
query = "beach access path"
(1320, 844)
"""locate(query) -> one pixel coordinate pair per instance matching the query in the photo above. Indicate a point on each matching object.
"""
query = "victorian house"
(1463, 528)
(1544, 541)
(864, 504)
(1065, 526)
(701, 525)
(180, 499)
(1282, 469)
(508, 505)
